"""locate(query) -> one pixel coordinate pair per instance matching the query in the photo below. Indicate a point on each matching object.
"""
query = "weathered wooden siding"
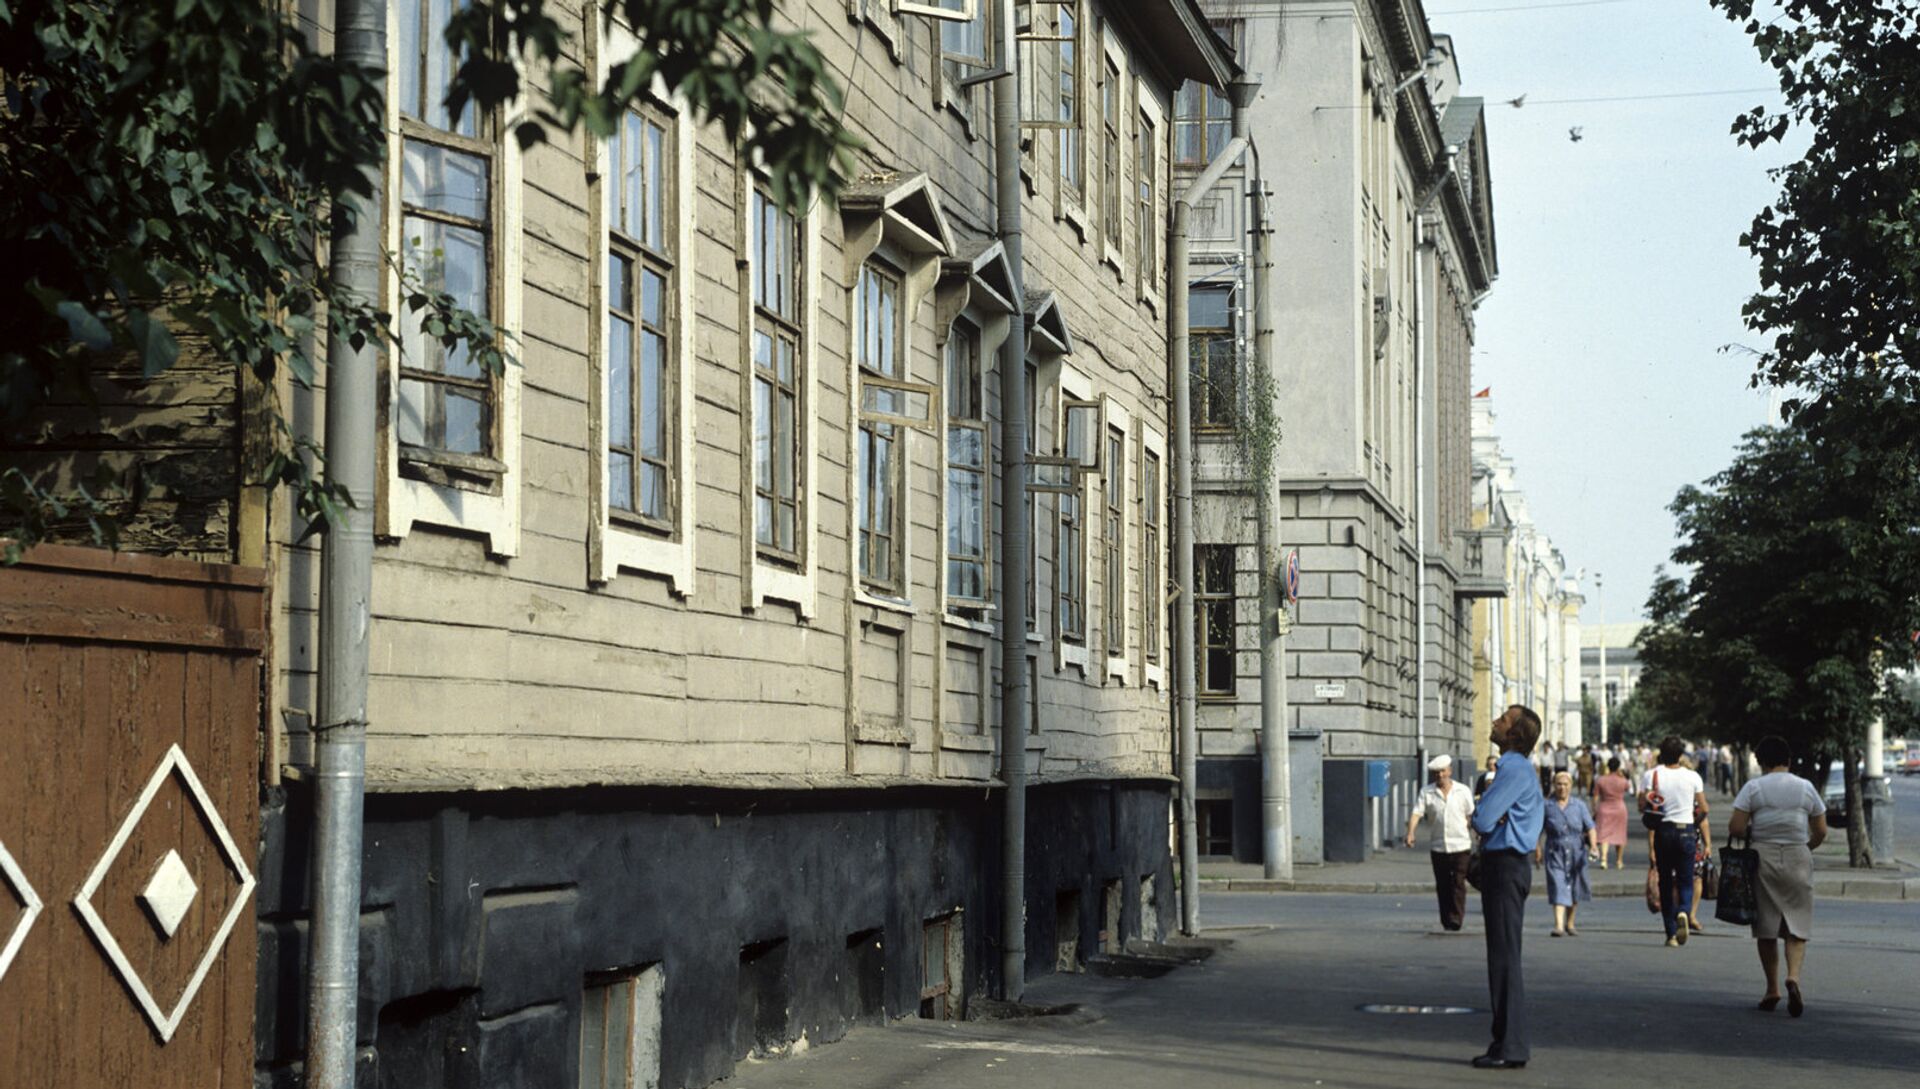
(530, 671)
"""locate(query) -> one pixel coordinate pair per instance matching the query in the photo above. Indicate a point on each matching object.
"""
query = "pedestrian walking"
(1583, 766)
(1485, 779)
(1508, 820)
(1784, 819)
(1610, 813)
(1674, 800)
(1449, 805)
(1566, 842)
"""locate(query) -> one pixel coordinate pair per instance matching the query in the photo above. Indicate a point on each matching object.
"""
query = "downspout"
(1187, 707)
(1420, 467)
(1014, 698)
(346, 589)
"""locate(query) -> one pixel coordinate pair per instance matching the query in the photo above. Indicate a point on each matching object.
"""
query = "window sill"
(1111, 257)
(1155, 303)
(870, 733)
(1074, 217)
(979, 625)
(900, 606)
(960, 742)
(639, 526)
(446, 469)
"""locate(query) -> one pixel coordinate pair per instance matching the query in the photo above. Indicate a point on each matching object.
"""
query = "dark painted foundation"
(773, 916)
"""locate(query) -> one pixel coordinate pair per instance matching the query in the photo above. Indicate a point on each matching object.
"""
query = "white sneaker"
(1684, 925)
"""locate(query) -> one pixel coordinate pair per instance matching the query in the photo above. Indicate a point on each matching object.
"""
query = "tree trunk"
(1859, 843)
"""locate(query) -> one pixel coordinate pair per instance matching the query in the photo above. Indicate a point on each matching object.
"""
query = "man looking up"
(1448, 804)
(1508, 820)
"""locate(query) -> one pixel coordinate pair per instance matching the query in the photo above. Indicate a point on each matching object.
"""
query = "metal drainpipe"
(1014, 529)
(346, 588)
(1187, 707)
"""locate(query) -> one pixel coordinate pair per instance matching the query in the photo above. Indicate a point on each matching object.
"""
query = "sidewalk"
(1404, 871)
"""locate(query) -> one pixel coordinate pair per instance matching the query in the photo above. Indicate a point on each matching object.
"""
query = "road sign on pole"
(1293, 575)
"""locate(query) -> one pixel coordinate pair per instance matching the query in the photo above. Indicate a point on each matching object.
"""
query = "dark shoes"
(1488, 1062)
(1795, 1005)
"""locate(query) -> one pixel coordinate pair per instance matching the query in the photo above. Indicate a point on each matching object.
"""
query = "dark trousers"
(1450, 886)
(1505, 879)
(1673, 846)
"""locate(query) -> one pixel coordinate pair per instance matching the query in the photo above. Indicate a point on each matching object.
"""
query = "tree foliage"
(171, 170)
(1839, 248)
(1804, 562)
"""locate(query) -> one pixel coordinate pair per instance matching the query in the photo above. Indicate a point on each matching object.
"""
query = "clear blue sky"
(1621, 274)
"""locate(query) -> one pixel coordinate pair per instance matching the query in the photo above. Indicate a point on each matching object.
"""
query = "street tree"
(169, 173)
(1839, 248)
(1802, 566)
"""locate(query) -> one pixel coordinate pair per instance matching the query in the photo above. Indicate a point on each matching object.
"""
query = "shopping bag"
(1709, 880)
(1739, 898)
(1653, 890)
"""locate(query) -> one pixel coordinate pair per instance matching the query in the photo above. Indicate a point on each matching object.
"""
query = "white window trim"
(404, 502)
(1071, 384)
(766, 580)
(1152, 289)
(1152, 441)
(883, 18)
(613, 546)
(1114, 414)
(917, 275)
(1111, 50)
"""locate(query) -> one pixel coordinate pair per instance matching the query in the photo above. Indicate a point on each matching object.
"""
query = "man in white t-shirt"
(1680, 798)
(1448, 805)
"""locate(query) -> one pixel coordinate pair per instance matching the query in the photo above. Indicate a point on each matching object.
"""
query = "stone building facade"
(1362, 95)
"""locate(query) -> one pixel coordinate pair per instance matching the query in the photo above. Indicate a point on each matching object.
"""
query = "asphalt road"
(1612, 1007)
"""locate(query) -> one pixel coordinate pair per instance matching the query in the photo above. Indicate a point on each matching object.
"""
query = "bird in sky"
(1516, 103)
(1576, 133)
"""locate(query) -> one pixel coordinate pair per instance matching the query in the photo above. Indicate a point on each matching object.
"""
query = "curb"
(1880, 889)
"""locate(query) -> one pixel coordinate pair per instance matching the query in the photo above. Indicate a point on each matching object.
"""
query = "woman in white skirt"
(1783, 817)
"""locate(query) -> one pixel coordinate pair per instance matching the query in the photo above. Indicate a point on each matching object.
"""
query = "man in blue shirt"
(1508, 820)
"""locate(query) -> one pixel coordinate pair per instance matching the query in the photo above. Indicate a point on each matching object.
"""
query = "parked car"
(1910, 763)
(1835, 796)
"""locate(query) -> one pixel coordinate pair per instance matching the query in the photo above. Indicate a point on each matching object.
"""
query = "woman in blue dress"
(1566, 842)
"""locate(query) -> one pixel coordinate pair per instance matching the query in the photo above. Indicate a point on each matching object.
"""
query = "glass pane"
(593, 1034)
(763, 520)
(786, 448)
(444, 180)
(966, 446)
(1209, 308)
(418, 404)
(466, 422)
(908, 404)
(620, 384)
(620, 283)
(409, 58)
(620, 481)
(616, 150)
(653, 294)
(785, 528)
(763, 434)
(632, 178)
(441, 64)
(762, 351)
(653, 491)
(786, 362)
(656, 187)
(653, 395)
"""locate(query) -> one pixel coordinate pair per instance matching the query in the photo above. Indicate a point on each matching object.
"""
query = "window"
(940, 968)
(1113, 100)
(1202, 116)
(1150, 553)
(1069, 567)
(1213, 616)
(447, 400)
(1213, 354)
(1113, 543)
(964, 43)
(1146, 221)
(1073, 180)
(641, 372)
(1215, 817)
(779, 414)
(620, 1029)
(967, 564)
(1033, 503)
(878, 351)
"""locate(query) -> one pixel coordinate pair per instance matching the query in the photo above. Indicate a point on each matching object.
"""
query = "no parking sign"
(1293, 575)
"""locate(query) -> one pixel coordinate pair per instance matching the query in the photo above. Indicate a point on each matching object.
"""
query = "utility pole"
(1600, 603)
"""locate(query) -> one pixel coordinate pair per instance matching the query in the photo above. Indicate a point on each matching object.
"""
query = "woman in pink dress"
(1610, 814)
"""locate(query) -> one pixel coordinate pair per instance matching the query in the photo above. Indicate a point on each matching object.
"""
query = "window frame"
(1150, 136)
(1203, 597)
(445, 489)
(1113, 541)
(1215, 109)
(1114, 145)
(1070, 539)
(782, 330)
(1201, 345)
(1153, 557)
(967, 333)
(665, 263)
(875, 273)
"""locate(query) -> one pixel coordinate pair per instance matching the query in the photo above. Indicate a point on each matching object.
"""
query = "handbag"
(1709, 880)
(1651, 816)
(1739, 899)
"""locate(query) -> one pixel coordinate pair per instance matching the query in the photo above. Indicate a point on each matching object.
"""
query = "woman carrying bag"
(1673, 802)
(1783, 818)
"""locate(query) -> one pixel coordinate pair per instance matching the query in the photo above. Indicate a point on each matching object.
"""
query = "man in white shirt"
(1448, 804)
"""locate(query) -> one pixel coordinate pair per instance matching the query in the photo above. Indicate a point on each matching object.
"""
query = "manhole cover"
(1383, 1007)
